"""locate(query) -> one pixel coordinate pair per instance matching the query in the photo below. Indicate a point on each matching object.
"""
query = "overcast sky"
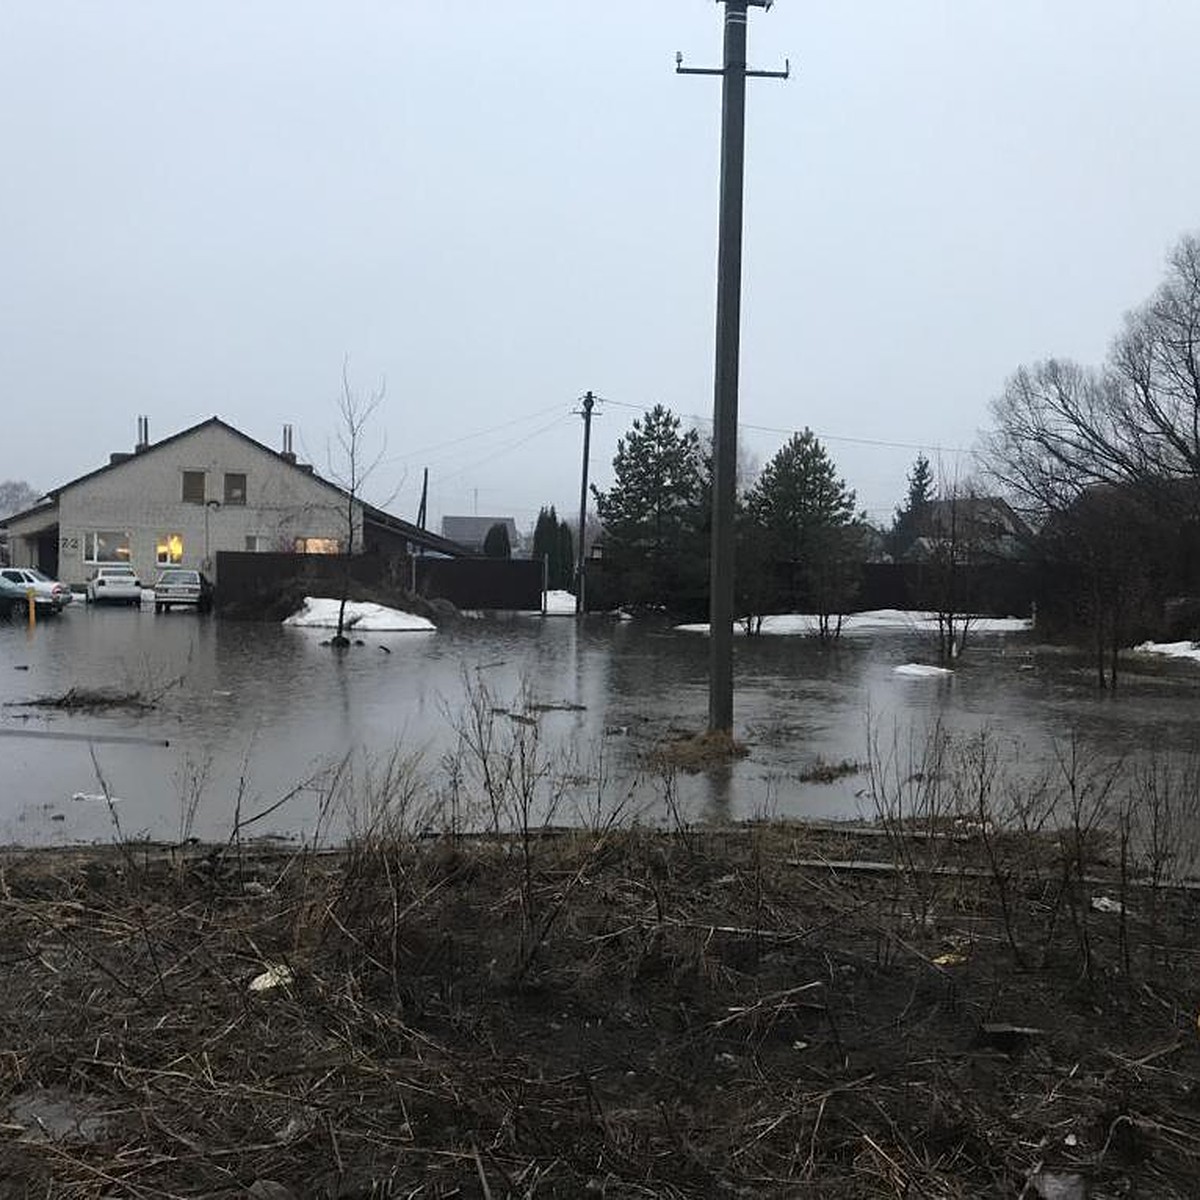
(497, 206)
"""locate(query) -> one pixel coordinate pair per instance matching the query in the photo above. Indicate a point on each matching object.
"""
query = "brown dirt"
(629, 1015)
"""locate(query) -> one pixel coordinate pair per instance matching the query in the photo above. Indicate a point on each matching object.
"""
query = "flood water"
(244, 713)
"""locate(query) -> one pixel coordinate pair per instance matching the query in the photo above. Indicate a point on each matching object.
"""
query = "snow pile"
(560, 604)
(322, 613)
(1170, 649)
(785, 624)
(921, 671)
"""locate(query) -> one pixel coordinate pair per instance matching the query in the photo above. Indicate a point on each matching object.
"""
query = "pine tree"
(552, 541)
(652, 514)
(910, 517)
(545, 543)
(496, 543)
(565, 556)
(807, 515)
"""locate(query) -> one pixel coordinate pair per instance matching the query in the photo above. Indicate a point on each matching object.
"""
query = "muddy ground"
(620, 1014)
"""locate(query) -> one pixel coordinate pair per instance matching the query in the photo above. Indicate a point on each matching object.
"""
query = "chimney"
(287, 453)
(143, 435)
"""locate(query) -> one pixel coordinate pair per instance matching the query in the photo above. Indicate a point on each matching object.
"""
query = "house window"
(193, 487)
(106, 547)
(235, 488)
(255, 544)
(168, 550)
(318, 545)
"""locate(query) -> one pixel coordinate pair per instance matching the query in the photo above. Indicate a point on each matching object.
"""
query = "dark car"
(180, 587)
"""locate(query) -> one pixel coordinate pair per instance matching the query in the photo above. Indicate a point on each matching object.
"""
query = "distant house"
(471, 531)
(180, 501)
(983, 528)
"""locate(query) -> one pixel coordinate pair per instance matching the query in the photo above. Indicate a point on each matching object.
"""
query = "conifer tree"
(806, 512)
(653, 514)
(910, 517)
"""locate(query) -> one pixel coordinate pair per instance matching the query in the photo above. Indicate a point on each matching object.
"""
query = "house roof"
(417, 535)
(413, 533)
(472, 531)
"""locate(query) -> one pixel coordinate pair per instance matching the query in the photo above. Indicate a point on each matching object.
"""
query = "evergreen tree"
(565, 557)
(545, 543)
(552, 541)
(910, 517)
(652, 515)
(806, 513)
(496, 542)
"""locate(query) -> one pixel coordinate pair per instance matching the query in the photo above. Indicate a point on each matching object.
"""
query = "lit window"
(193, 487)
(318, 545)
(235, 488)
(106, 547)
(168, 550)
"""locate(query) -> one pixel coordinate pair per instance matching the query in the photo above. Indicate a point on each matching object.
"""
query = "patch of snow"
(560, 604)
(921, 671)
(319, 612)
(791, 624)
(1170, 649)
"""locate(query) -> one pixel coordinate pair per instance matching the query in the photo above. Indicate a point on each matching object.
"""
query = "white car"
(48, 594)
(114, 585)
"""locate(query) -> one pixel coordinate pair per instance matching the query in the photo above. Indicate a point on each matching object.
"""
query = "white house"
(185, 498)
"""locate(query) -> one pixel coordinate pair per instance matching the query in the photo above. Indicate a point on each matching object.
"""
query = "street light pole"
(209, 505)
(725, 385)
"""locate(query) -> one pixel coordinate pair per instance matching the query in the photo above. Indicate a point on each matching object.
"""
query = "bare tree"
(952, 539)
(1105, 459)
(351, 465)
(1061, 428)
(16, 495)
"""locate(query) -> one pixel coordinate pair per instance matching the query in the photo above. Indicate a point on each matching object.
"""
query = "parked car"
(180, 587)
(48, 594)
(12, 598)
(114, 585)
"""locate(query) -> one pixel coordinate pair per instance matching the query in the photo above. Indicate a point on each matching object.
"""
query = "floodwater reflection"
(257, 709)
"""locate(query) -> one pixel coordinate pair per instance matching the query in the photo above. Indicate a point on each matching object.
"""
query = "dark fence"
(246, 576)
(246, 580)
(991, 589)
(1001, 589)
(481, 583)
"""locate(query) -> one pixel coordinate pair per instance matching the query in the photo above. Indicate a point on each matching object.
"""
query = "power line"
(467, 437)
(825, 437)
(521, 441)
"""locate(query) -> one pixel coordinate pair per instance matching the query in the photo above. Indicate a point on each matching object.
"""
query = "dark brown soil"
(626, 1015)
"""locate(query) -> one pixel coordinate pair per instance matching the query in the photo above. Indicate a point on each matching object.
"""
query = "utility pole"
(725, 386)
(422, 510)
(589, 402)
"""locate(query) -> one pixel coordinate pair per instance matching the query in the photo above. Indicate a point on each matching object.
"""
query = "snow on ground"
(560, 604)
(921, 671)
(784, 624)
(322, 613)
(1170, 649)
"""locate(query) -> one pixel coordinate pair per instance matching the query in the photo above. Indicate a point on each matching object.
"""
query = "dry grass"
(697, 752)
(704, 1017)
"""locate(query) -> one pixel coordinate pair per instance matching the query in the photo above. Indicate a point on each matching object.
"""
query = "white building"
(182, 500)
